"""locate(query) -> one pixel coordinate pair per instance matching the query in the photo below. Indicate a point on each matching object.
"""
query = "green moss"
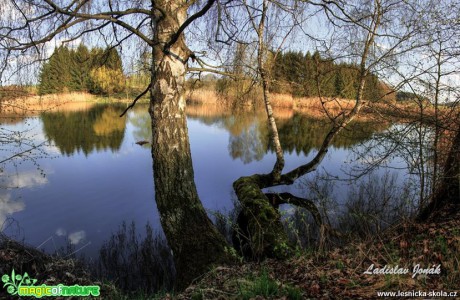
(266, 232)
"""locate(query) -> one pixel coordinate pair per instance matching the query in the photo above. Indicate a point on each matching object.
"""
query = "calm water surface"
(90, 175)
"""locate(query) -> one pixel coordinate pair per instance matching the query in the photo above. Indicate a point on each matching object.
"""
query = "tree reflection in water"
(95, 129)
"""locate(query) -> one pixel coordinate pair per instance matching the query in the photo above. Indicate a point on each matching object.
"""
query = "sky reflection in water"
(96, 176)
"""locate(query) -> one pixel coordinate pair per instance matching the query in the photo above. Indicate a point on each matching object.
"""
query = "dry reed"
(202, 96)
(282, 100)
(32, 105)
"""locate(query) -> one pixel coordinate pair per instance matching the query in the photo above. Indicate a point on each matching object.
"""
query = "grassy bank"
(406, 111)
(30, 104)
(340, 272)
(209, 96)
(285, 106)
(26, 101)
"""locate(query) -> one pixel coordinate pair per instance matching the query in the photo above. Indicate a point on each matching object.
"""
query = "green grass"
(266, 287)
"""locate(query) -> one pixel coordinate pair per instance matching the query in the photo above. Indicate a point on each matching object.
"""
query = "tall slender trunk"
(195, 242)
(437, 129)
(261, 51)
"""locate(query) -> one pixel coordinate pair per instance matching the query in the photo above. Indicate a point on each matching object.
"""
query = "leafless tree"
(27, 28)
(376, 39)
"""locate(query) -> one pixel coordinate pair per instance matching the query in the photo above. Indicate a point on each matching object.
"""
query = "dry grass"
(210, 110)
(316, 106)
(206, 96)
(325, 103)
(203, 96)
(282, 100)
(209, 103)
(60, 98)
(32, 105)
(282, 113)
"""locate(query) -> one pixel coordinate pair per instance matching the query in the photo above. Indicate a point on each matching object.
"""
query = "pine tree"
(112, 59)
(97, 71)
(299, 75)
(339, 84)
(80, 68)
(45, 80)
(55, 76)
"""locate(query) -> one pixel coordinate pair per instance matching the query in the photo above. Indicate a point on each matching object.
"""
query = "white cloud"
(8, 206)
(27, 180)
(77, 236)
(61, 232)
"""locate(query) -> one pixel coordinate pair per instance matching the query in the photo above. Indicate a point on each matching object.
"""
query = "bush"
(107, 81)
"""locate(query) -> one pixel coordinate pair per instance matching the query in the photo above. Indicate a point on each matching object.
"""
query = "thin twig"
(21, 153)
(135, 100)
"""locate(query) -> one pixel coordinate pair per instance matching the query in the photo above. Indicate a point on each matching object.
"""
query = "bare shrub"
(135, 263)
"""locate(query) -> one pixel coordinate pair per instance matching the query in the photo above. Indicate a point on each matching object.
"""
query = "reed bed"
(283, 113)
(282, 100)
(209, 110)
(325, 103)
(204, 96)
(31, 105)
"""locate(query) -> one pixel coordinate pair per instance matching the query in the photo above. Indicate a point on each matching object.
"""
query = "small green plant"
(442, 244)
(197, 295)
(293, 293)
(266, 287)
(282, 250)
(340, 265)
(323, 279)
(261, 286)
(388, 281)
(353, 283)
(233, 253)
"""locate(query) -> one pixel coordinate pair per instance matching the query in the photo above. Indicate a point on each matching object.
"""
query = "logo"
(24, 285)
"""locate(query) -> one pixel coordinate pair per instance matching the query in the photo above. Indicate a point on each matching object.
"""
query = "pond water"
(90, 175)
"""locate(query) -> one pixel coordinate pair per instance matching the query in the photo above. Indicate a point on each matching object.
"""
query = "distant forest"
(302, 75)
(98, 71)
(307, 75)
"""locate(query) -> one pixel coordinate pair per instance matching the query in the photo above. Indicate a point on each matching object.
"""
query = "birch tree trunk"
(195, 242)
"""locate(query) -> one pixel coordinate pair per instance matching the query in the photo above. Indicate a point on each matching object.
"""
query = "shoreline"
(34, 104)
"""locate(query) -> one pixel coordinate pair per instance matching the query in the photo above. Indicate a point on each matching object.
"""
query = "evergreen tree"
(55, 76)
(80, 68)
(46, 85)
(97, 60)
(339, 85)
(112, 59)
(300, 75)
(95, 70)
